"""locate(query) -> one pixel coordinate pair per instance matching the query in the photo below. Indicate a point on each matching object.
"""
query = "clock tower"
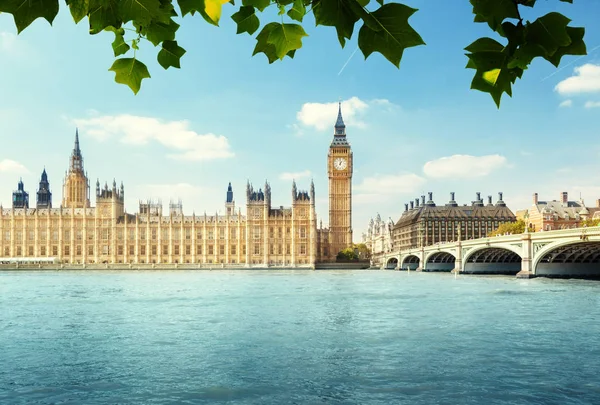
(339, 169)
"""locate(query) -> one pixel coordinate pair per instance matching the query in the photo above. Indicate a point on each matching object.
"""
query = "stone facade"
(423, 223)
(266, 236)
(557, 214)
(378, 237)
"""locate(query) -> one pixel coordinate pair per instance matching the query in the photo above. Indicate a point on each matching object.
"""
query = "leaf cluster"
(498, 65)
(383, 28)
(512, 228)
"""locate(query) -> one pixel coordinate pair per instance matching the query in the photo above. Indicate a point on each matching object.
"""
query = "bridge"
(561, 253)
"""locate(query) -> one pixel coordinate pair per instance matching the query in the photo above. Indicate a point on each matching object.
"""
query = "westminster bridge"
(561, 253)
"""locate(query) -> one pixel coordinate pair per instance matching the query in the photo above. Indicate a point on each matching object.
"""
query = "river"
(296, 337)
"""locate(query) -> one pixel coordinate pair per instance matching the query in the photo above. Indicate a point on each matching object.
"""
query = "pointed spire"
(76, 148)
(340, 121)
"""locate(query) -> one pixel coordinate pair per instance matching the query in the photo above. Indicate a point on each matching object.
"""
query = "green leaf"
(190, 6)
(210, 10)
(525, 54)
(263, 46)
(131, 72)
(258, 4)
(364, 15)
(140, 11)
(494, 12)
(119, 45)
(26, 11)
(487, 60)
(576, 47)
(78, 8)
(395, 35)
(158, 32)
(485, 44)
(336, 13)
(170, 54)
(501, 83)
(286, 38)
(550, 32)
(246, 20)
(102, 14)
(298, 11)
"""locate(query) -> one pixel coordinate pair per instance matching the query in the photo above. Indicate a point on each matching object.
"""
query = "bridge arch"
(391, 263)
(410, 262)
(491, 259)
(575, 258)
(440, 261)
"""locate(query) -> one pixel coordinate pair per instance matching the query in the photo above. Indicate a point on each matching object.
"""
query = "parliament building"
(266, 236)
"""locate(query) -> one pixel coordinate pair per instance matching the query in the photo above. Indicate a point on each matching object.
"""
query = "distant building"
(77, 232)
(424, 223)
(20, 197)
(378, 237)
(557, 214)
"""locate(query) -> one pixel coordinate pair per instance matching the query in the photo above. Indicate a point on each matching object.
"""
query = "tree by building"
(384, 28)
(511, 228)
(347, 254)
(590, 222)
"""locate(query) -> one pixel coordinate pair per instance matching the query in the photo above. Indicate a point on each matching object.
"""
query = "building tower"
(44, 195)
(339, 169)
(229, 202)
(20, 197)
(76, 187)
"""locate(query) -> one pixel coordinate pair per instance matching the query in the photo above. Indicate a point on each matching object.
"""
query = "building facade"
(424, 223)
(557, 214)
(78, 233)
(378, 237)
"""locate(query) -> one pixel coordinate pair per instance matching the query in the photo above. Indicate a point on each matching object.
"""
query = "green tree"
(509, 227)
(363, 251)
(590, 222)
(347, 254)
(383, 28)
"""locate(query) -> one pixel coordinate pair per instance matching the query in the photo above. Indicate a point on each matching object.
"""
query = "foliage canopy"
(384, 28)
(512, 228)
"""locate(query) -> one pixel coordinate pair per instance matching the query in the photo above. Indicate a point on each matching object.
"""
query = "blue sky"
(413, 130)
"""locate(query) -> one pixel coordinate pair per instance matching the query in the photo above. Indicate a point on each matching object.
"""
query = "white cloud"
(464, 166)
(566, 103)
(322, 116)
(175, 135)
(585, 80)
(294, 175)
(11, 166)
(592, 104)
(7, 41)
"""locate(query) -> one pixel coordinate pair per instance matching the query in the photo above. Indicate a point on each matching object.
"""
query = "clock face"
(340, 164)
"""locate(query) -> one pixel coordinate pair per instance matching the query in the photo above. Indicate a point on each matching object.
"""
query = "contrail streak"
(570, 63)
(348, 61)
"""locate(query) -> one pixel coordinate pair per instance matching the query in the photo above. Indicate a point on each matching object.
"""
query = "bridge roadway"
(560, 253)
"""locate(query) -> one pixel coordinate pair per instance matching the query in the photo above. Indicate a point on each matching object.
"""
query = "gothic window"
(54, 250)
(233, 249)
(233, 233)
(302, 232)
(67, 250)
(31, 235)
(188, 233)
(30, 252)
(119, 250)
(79, 234)
(105, 249)
(272, 249)
(211, 250)
(221, 249)
(198, 249)
(256, 232)
(143, 234)
(211, 234)
(199, 235)
(303, 249)
(143, 249)
(257, 249)
(131, 250)
(176, 249)
(42, 250)
(165, 250)
(131, 234)
(188, 249)
(154, 249)
(256, 212)
(221, 233)
(280, 249)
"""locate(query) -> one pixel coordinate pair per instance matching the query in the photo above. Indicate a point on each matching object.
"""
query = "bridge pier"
(458, 263)
(526, 257)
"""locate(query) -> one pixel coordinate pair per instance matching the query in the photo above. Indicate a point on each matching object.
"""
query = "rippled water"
(258, 337)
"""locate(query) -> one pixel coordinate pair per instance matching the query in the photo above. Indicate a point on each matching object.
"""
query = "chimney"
(430, 195)
(452, 196)
(564, 198)
(500, 196)
(416, 203)
(422, 200)
(478, 196)
(535, 198)
(405, 207)
(412, 205)
(490, 200)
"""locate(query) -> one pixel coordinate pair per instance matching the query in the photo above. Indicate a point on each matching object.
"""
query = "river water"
(296, 337)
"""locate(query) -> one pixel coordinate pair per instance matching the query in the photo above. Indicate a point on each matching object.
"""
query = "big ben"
(339, 169)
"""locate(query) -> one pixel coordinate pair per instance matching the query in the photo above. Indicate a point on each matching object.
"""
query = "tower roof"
(339, 123)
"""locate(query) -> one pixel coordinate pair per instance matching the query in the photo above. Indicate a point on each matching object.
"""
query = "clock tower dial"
(339, 170)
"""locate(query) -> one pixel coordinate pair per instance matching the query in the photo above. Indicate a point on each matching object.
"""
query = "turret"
(44, 196)
(229, 203)
(294, 191)
(312, 192)
(20, 196)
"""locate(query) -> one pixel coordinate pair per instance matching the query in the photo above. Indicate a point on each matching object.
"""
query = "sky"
(227, 116)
